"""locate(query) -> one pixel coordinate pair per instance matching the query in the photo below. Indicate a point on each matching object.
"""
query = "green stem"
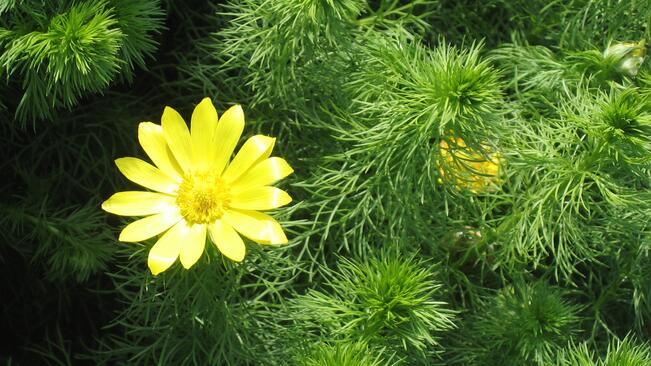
(34, 220)
(383, 14)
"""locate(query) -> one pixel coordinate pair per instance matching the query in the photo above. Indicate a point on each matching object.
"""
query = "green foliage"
(284, 46)
(431, 91)
(580, 156)
(533, 71)
(382, 301)
(392, 14)
(600, 22)
(576, 355)
(575, 24)
(55, 350)
(640, 278)
(7, 5)
(63, 52)
(84, 38)
(524, 324)
(71, 242)
(217, 313)
(496, 20)
(619, 353)
(626, 353)
(619, 122)
(540, 76)
(138, 21)
(340, 354)
(68, 240)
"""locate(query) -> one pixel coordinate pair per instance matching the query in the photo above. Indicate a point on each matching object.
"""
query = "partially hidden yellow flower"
(198, 193)
(629, 55)
(464, 168)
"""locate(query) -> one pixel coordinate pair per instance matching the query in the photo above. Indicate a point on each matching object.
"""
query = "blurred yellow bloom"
(630, 55)
(465, 168)
(198, 193)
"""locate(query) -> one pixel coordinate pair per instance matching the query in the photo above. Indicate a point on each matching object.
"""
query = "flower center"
(202, 197)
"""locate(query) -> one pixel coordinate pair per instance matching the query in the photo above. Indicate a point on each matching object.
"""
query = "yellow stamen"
(203, 197)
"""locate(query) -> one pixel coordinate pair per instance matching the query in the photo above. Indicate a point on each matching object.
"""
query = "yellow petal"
(150, 226)
(152, 140)
(260, 198)
(259, 227)
(146, 175)
(177, 137)
(203, 128)
(193, 244)
(264, 173)
(229, 130)
(254, 150)
(135, 203)
(227, 240)
(164, 253)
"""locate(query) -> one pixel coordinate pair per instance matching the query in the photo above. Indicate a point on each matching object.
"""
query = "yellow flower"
(197, 192)
(465, 168)
(630, 56)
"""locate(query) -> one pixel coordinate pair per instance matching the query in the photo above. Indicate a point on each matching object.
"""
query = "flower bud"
(465, 168)
(629, 56)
